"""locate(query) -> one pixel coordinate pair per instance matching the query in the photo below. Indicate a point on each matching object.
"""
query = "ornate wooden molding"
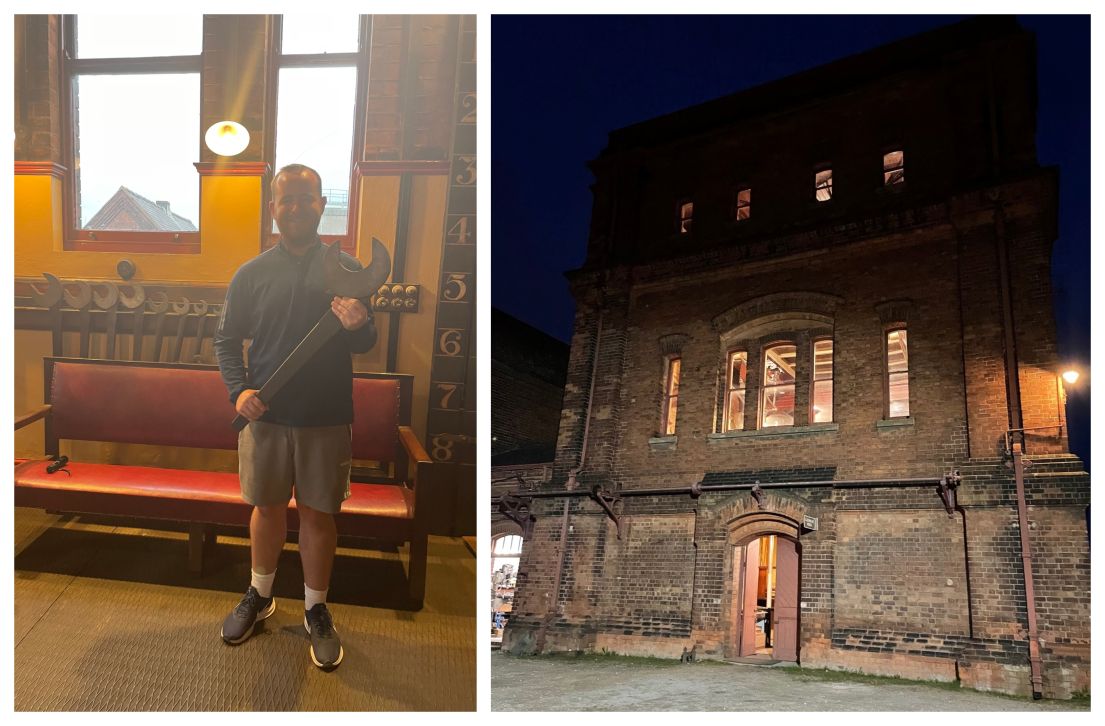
(40, 168)
(232, 168)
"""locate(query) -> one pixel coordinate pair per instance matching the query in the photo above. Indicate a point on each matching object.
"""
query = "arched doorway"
(506, 554)
(765, 588)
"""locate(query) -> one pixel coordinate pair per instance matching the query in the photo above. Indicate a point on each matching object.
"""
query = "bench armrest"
(32, 416)
(413, 446)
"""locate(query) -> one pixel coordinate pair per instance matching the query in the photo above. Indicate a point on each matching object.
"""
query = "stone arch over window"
(797, 318)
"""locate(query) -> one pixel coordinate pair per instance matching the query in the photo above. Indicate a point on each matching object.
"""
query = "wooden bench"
(180, 405)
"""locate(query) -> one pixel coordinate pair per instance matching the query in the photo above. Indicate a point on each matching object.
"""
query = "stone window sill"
(894, 423)
(662, 443)
(776, 431)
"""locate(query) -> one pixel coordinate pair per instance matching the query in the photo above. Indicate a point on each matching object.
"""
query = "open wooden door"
(750, 576)
(786, 600)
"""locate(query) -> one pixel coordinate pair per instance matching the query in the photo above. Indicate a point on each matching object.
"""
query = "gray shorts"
(315, 460)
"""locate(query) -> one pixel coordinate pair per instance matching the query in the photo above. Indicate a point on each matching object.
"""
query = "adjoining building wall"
(893, 580)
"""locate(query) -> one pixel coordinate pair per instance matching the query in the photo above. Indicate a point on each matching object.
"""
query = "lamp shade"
(227, 138)
(1070, 376)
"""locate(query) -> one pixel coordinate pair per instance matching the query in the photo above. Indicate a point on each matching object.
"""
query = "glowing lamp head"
(227, 138)
(1070, 376)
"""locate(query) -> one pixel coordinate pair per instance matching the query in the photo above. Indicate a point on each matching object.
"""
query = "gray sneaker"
(239, 625)
(326, 650)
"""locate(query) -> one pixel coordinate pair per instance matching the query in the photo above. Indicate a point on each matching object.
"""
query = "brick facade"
(890, 581)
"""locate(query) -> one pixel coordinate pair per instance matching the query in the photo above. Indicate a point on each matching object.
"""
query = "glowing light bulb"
(1070, 376)
(227, 138)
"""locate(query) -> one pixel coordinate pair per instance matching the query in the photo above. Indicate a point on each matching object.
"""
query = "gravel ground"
(599, 683)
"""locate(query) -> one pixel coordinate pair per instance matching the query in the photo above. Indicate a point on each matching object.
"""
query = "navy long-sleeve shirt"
(275, 299)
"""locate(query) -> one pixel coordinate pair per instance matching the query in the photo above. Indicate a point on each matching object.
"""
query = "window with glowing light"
(744, 204)
(823, 185)
(671, 396)
(686, 217)
(735, 396)
(821, 386)
(777, 398)
(897, 374)
(893, 168)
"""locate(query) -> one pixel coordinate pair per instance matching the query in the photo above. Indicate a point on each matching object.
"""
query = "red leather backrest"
(137, 405)
(375, 418)
(183, 407)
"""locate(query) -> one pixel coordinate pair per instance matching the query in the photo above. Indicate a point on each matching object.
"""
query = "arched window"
(777, 402)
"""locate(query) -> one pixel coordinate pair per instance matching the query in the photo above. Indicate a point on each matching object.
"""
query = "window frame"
(278, 60)
(668, 396)
(814, 380)
(106, 240)
(730, 389)
(886, 372)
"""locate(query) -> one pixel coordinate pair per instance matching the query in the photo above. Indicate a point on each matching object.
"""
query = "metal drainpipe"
(1017, 424)
(1029, 589)
(554, 607)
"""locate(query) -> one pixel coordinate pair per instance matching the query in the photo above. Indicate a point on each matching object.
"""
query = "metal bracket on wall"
(517, 510)
(607, 502)
(946, 489)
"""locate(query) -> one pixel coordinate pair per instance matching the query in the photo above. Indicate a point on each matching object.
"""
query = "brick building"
(813, 409)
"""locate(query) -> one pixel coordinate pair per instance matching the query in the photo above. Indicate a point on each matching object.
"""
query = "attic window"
(744, 204)
(823, 185)
(893, 168)
(686, 216)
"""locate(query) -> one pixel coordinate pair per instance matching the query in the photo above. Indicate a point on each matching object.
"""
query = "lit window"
(320, 58)
(744, 204)
(823, 185)
(135, 110)
(777, 407)
(671, 396)
(821, 393)
(734, 400)
(893, 168)
(897, 372)
(686, 215)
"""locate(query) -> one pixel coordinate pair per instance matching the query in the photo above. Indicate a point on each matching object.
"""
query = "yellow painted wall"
(230, 223)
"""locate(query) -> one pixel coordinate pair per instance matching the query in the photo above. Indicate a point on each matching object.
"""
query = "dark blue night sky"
(561, 83)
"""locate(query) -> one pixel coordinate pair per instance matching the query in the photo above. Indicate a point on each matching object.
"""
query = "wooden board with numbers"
(451, 419)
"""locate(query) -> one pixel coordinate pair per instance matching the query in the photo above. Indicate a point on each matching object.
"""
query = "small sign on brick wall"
(809, 523)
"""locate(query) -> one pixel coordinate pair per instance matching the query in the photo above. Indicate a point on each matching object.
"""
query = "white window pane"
(673, 405)
(778, 406)
(320, 33)
(735, 420)
(738, 370)
(779, 365)
(132, 36)
(822, 360)
(897, 352)
(321, 140)
(140, 133)
(899, 394)
(822, 401)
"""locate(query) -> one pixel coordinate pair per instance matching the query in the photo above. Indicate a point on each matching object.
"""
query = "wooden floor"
(107, 617)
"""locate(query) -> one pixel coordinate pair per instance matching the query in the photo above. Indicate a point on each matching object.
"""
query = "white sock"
(312, 597)
(262, 583)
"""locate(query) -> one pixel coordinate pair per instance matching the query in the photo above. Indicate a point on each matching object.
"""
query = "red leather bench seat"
(166, 493)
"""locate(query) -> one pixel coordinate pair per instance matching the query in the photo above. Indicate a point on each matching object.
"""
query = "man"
(301, 440)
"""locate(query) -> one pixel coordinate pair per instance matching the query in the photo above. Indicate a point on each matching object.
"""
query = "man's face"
(297, 206)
